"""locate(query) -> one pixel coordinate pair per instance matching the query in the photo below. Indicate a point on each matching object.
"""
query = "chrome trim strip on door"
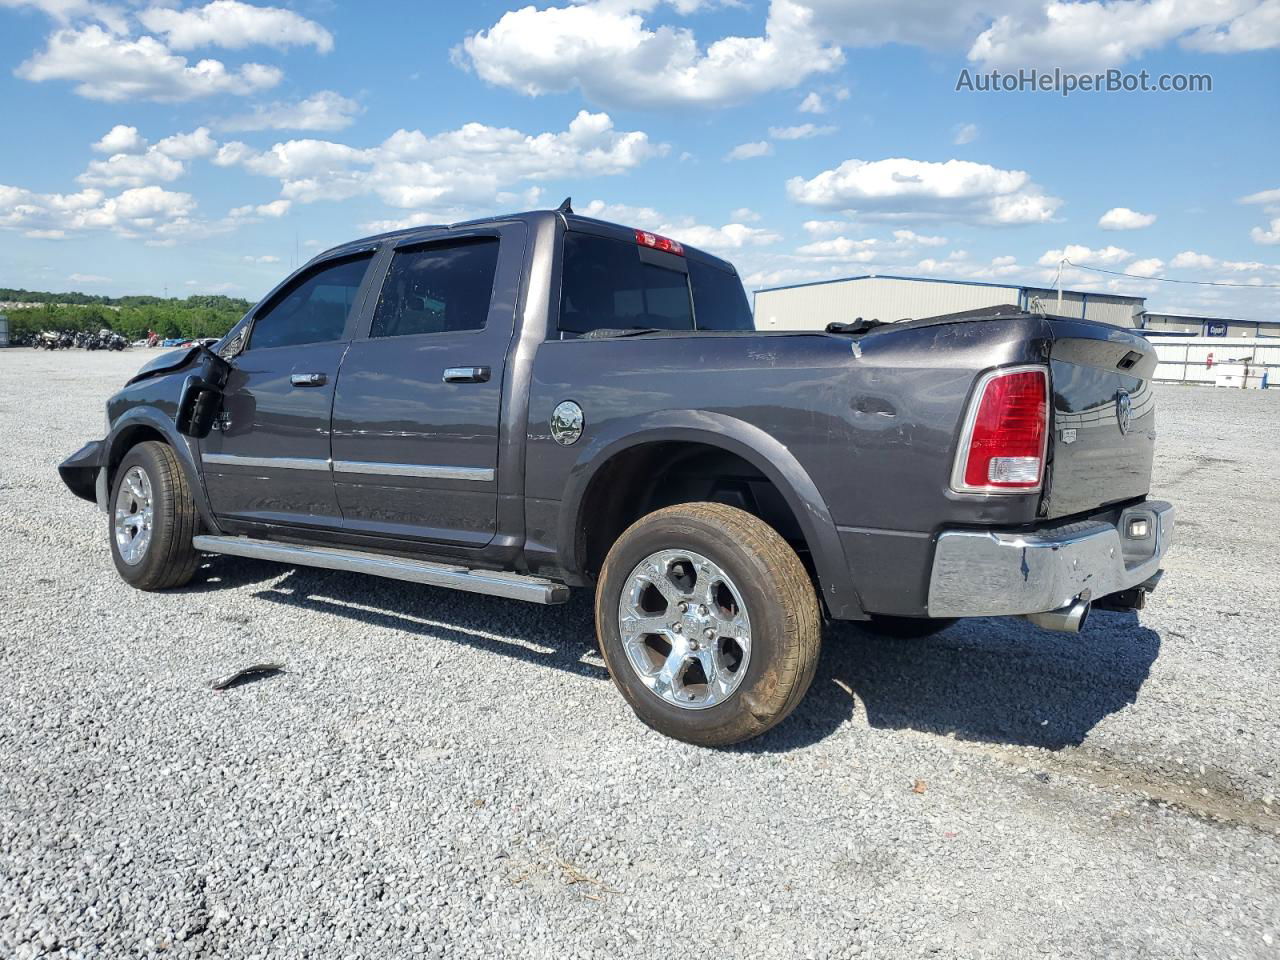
(481, 474)
(278, 463)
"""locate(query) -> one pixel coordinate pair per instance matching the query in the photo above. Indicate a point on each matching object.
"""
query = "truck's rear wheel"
(708, 622)
(152, 519)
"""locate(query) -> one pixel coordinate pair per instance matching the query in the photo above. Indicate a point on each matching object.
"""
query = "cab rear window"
(617, 285)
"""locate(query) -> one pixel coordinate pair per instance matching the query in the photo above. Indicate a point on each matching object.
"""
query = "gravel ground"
(441, 774)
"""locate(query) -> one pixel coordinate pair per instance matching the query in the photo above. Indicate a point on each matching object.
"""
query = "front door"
(269, 458)
(418, 402)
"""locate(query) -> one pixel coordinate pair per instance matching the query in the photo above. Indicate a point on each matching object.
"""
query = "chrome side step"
(513, 586)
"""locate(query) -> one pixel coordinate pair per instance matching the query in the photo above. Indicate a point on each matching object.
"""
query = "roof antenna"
(566, 207)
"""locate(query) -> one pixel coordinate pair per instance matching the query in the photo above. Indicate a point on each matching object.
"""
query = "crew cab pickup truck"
(527, 404)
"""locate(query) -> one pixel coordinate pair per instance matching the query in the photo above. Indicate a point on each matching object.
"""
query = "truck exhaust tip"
(1069, 619)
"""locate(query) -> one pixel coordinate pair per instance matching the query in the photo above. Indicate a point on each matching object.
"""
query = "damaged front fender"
(80, 470)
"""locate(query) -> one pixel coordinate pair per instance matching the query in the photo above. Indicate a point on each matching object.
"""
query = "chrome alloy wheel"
(133, 516)
(685, 629)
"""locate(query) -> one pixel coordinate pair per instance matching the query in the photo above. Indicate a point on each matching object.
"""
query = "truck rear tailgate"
(1103, 417)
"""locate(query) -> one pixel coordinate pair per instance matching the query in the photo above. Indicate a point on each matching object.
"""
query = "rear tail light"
(655, 242)
(1003, 446)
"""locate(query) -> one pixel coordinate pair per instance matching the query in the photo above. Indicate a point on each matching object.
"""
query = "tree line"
(132, 317)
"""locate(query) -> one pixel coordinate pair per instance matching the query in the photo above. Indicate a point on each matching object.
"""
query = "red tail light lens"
(656, 242)
(1006, 442)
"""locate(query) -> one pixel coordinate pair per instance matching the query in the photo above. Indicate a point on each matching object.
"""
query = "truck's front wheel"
(152, 519)
(708, 622)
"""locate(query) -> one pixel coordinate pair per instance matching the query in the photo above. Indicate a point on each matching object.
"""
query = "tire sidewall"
(145, 456)
(747, 706)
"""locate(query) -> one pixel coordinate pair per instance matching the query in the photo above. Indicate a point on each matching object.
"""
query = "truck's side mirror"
(201, 398)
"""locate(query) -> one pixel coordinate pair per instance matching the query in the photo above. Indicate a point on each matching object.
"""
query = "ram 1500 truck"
(522, 405)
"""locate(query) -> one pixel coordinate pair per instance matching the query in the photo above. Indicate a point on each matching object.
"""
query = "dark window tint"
(312, 310)
(437, 289)
(719, 298)
(608, 286)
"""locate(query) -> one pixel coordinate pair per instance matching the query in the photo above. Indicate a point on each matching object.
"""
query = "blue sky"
(206, 147)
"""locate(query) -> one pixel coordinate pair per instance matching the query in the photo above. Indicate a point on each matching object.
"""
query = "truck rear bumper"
(984, 573)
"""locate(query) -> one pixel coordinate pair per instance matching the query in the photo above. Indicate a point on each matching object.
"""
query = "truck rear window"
(607, 286)
(615, 285)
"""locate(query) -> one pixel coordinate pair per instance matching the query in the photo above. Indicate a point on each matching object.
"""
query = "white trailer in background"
(1239, 362)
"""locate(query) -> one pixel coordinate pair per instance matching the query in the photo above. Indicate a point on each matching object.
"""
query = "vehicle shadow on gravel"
(562, 637)
(991, 681)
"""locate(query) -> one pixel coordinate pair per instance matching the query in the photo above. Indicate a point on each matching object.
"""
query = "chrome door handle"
(308, 379)
(466, 375)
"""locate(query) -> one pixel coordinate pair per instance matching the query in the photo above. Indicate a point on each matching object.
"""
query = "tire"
(907, 628)
(150, 476)
(762, 614)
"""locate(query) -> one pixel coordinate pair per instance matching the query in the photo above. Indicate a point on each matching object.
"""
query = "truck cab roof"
(572, 221)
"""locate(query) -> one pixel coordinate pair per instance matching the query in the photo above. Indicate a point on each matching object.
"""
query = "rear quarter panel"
(875, 433)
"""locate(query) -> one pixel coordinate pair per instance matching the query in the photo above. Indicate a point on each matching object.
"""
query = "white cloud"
(1150, 267)
(1255, 29)
(824, 228)
(965, 133)
(903, 189)
(804, 131)
(275, 209)
(63, 11)
(813, 103)
(163, 162)
(842, 249)
(235, 25)
(140, 211)
(92, 278)
(132, 170)
(1122, 218)
(726, 239)
(749, 151)
(744, 215)
(897, 247)
(1263, 197)
(1268, 237)
(1086, 256)
(1189, 259)
(111, 68)
(604, 48)
(326, 110)
(120, 139)
(909, 237)
(468, 166)
(1095, 35)
(265, 258)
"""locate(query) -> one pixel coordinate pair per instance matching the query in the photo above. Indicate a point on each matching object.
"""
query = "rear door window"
(441, 288)
(608, 285)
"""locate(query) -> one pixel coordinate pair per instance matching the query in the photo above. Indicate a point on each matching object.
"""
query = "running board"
(512, 586)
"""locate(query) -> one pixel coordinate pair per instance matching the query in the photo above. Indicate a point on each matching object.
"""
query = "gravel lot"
(441, 774)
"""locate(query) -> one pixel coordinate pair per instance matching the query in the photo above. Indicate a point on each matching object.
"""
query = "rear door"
(1104, 416)
(268, 459)
(417, 408)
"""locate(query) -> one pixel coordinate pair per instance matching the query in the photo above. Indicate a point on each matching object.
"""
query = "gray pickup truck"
(521, 405)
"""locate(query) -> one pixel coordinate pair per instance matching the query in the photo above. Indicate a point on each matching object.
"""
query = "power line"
(1198, 283)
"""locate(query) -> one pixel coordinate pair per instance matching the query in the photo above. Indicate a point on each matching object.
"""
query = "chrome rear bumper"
(983, 573)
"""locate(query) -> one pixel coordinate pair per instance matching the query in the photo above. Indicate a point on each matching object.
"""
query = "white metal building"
(1249, 362)
(811, 306)
(1170, 324)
